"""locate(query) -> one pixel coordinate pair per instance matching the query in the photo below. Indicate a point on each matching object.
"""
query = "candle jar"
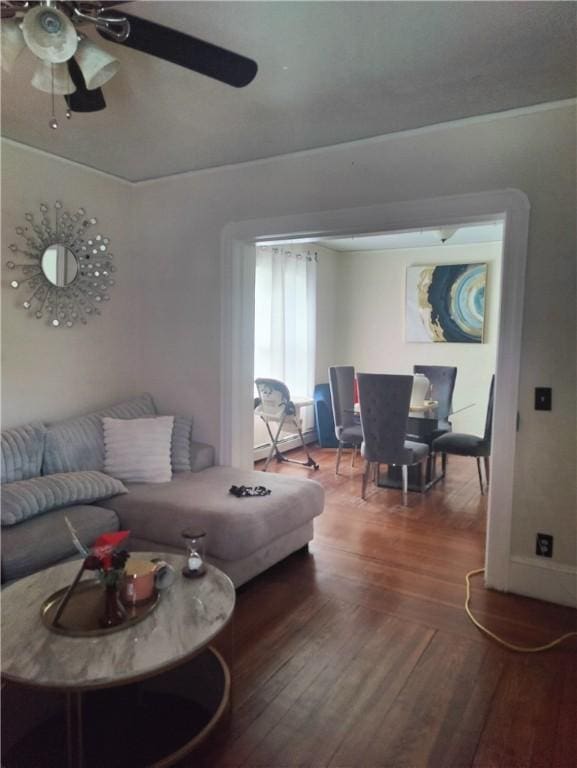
(194, 565)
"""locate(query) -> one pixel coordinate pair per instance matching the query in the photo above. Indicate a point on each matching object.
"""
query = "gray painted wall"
(161, 331)
(48, 373)
(532, 151)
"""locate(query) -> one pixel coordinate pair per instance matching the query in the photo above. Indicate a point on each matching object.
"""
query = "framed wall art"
(446, 303)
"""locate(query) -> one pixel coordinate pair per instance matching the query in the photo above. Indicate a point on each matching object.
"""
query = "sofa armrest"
(201, 456)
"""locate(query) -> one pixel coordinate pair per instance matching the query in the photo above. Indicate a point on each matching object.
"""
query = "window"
(285, 320)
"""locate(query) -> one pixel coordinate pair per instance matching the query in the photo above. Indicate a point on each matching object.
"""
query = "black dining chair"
(384, 400)
(460, 444)
(347, 427)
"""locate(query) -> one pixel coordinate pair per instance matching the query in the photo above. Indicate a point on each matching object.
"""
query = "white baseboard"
(290, 442)
(544, 580)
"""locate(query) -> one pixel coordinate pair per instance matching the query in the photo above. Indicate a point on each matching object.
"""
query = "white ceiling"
(329, 72)
(468, 234)
(424, 238)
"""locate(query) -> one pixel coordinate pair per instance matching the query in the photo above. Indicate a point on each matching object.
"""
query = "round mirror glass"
(59, 265)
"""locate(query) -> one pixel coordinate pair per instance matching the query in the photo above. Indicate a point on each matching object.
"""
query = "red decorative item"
(105, 545)
(110, 563)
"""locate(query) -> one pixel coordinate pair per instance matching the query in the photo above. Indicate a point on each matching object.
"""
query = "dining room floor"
(359, 654)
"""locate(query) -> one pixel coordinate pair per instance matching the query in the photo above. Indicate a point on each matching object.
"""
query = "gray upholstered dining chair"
(384, 401)
(460, 444)
(347, 428)
(442, 379)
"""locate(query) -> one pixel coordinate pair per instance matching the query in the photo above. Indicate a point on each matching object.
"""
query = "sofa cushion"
(201, 456)
(22, 450)
(181, 440)
(28, 498)
(78, 444)
(44, 540)
(182, 445)
(138, 450)
(235, 527)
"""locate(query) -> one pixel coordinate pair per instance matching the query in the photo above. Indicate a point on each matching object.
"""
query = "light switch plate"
(543, 398)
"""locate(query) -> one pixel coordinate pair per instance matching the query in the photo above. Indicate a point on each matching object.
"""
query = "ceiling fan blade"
(187, 51)
(83, 100)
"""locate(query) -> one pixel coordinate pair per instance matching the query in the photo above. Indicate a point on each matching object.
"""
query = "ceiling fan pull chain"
(68, 113)
(53, 121)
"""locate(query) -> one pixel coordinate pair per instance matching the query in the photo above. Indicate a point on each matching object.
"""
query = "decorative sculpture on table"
(109, 564)
(67, 272)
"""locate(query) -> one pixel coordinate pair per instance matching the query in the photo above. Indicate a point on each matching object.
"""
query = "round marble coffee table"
(142, 696)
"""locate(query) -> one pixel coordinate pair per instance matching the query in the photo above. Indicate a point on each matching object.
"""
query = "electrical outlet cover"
(544, 545)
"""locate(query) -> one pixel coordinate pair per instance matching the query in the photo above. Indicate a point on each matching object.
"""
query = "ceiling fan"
(73, 66)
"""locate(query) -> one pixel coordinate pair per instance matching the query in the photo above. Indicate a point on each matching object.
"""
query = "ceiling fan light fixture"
(96, 64)
(53, 78)
(447, 233)
(12, 43)
(49, 34)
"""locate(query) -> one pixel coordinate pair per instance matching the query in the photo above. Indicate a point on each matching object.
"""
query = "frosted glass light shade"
(42, 79)
(97, 65)
(447, 233)
(12, 43)
(50, 34)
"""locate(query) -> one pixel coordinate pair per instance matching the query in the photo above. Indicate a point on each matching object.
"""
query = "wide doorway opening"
(509, 208)
(362, 302)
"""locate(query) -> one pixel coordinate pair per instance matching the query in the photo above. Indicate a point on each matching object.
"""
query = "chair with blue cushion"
(384, 401)
(461, 444)
(348, 431)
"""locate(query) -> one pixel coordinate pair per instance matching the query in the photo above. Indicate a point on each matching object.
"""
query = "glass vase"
(114, 612)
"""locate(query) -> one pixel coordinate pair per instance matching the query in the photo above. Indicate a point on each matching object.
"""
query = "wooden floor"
(360, 654)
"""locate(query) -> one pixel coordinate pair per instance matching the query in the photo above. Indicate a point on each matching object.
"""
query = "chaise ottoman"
(244, 535)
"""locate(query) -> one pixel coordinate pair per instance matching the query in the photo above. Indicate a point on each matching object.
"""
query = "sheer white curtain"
(285, 319)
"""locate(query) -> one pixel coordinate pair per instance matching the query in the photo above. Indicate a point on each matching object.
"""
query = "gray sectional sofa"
(245, 536)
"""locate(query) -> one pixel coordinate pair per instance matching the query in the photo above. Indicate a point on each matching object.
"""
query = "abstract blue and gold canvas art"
(446, 303)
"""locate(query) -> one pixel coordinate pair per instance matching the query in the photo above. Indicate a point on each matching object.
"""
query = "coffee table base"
(153, 723)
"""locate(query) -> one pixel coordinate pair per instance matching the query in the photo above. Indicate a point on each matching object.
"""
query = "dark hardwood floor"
(360, 654)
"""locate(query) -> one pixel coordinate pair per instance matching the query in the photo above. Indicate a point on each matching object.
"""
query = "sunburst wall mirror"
(64, 271)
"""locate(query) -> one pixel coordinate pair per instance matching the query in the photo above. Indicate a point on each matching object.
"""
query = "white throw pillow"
(138, 450)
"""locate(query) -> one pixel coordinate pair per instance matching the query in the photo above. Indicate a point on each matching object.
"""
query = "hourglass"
(194, 565)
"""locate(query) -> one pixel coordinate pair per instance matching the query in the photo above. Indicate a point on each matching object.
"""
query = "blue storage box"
(324, 417)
